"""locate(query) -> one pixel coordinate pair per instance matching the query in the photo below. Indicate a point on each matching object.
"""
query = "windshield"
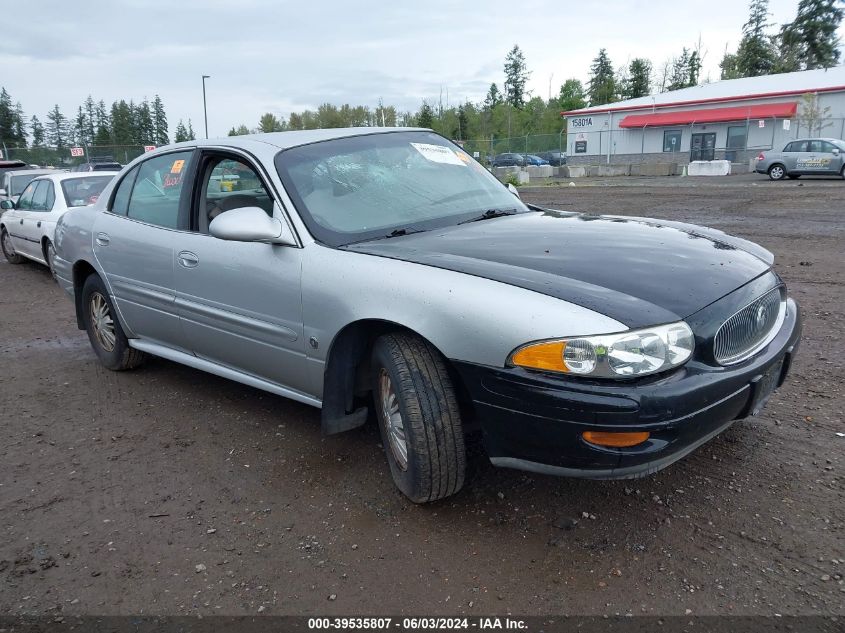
(19, 183)
(365, 187)
(83, 191)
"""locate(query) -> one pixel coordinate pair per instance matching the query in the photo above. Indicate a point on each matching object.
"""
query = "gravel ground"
(169, 491)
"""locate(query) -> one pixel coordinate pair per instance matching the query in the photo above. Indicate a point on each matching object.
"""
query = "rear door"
(240, 302)
(135, 242)
(831, 161)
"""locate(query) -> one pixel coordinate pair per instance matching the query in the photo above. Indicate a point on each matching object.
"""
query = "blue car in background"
(531, 159)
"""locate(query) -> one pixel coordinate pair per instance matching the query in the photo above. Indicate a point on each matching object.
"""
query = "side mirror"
(513, 190)
(247, 224)
(6, 205)
(836, 151)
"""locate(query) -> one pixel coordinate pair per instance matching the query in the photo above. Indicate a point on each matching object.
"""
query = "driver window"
(40, 197)
(231, 183)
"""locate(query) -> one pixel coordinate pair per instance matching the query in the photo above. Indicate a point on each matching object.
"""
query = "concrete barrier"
(573, 171)
(653, 169)
(540, 171)
(709, 168)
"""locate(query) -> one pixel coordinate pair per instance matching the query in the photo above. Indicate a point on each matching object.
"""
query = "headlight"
(631, 353)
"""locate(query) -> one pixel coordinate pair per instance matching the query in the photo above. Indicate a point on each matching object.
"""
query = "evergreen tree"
(181, 133)
(638, 83)
(90, 115)
(425, 118)
(56, 128)
(143, 124)
(190, 131)
(463, 123)
(813, 33)
(241, 130)
(103, 134)
(11, 123)
(122, 124)
(493, 98)
(80, 128)
(37, 131)
(728, 66)
(684, 70)
(755, 55)
(160, 135)
(571, 96)
(516, 76)
(602, 87)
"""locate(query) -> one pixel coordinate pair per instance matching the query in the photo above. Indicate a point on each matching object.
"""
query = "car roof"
(31, 172)
(817, 138)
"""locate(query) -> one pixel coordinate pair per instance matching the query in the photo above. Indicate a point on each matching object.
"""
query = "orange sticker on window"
(177, 166)
(463, 156)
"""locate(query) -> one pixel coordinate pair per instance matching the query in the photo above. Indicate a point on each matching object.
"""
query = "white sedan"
(27, 227)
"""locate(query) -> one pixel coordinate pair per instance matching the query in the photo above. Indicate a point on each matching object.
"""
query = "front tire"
(49, 256)
(104, 330)
(418, 416)
(8, 249)
(777, 172)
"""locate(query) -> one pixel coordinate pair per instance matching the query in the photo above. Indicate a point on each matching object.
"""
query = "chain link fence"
(487, 148)
(63, 158)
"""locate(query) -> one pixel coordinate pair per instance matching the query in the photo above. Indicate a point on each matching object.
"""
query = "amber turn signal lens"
(615, 440)
(541, 356)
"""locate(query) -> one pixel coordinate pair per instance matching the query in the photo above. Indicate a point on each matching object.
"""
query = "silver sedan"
(804, 156)
(386, 272)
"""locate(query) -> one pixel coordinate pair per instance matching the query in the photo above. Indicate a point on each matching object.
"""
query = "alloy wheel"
(392, 420)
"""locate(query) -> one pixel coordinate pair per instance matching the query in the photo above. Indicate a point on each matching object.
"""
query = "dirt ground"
(169, 491)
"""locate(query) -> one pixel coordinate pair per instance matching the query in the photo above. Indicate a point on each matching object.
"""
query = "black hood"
(639, 272)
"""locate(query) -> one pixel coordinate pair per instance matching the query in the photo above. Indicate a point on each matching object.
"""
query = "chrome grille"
(749, 329)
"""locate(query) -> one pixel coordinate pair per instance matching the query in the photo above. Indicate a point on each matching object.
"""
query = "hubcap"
(51, 253)
(392, 420)
(777, 172)
(101, 322)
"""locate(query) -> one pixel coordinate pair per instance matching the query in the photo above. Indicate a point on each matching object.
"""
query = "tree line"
(124, 123)
(806, 43)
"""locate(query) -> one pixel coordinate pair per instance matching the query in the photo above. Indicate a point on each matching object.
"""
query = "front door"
(240, 302)
(703, 146)
(135, 244)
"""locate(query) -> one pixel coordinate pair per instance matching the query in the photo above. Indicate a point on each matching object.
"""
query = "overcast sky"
(266, 56)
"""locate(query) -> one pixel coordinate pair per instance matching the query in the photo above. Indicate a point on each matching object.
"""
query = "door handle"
(21, 220)
(102, 239)
(188, 259)
(38, 224)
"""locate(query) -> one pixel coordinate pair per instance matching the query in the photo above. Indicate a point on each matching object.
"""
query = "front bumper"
(534, 420)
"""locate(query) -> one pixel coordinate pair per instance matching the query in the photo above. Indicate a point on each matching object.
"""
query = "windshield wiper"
(489, 214)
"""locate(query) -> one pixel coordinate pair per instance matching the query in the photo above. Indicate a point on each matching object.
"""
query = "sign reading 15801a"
(585, 121)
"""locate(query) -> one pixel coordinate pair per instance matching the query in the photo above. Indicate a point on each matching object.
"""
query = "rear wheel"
(9, 249)
(418, 417)
(777, 172)
(104, 330)
(49, 256)
(842, 171)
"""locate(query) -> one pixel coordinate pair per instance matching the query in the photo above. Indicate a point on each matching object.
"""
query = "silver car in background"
(385, 270)
(804, 156)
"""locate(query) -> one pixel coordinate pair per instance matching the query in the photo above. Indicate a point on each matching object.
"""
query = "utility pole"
(204, 108)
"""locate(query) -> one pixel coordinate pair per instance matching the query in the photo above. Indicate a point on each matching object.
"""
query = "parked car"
(378, 268)
(13, 182)
(816, 156)
(98, 166)
(556, 159)
(27, 228)
(531, 159)
(9, 165)
(508, 160)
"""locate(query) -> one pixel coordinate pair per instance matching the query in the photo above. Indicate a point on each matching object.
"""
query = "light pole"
(204, 108)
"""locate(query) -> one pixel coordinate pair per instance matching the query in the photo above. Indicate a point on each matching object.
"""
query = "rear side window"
(158, 186)
(120, 202)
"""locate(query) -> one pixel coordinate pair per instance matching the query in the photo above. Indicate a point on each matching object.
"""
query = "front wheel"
(418, 417)
(777, 172)
(104, 330)
(8, 249)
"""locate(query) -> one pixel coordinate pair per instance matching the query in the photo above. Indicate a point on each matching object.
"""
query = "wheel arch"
(347, 372)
